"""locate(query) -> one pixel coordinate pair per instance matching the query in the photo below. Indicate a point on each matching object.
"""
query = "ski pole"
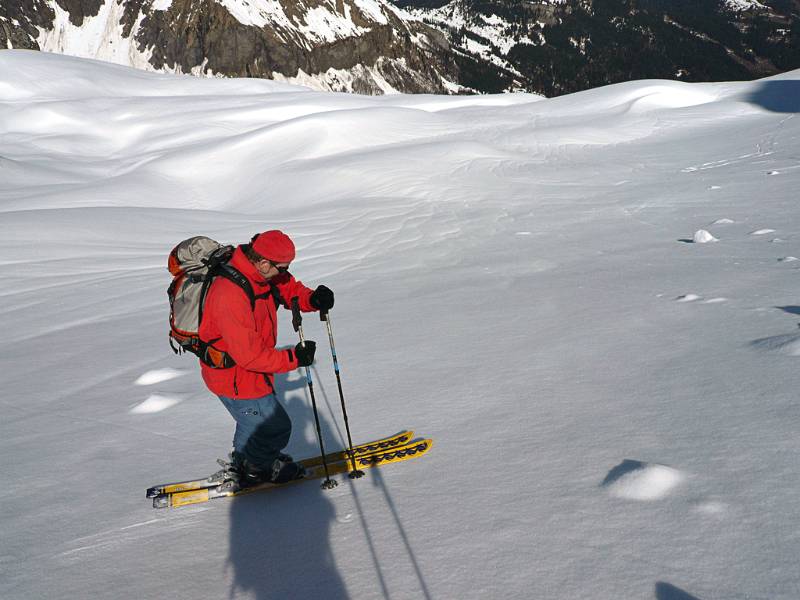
(297, 323)
(324, 316)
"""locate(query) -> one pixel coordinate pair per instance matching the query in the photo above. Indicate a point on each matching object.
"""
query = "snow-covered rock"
(702, 236)
(635, 480)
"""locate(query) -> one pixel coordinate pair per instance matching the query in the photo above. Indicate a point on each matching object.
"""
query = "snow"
(153, 404)
(701, 236)
(157, 376)
(742, 5)
(341, 80)
(258, 13)
(507, 272)
(100, 36)
(635, 480)
(373, 10)
(326, 25)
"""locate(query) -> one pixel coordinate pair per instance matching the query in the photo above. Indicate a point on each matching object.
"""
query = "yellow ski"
(217, 478)
(316, 471)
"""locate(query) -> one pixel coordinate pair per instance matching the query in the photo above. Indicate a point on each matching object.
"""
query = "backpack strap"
(232, 274)
(276, 296)
(208, 354)
(229, 272)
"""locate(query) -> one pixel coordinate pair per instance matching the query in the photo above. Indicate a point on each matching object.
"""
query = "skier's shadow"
(279, 540)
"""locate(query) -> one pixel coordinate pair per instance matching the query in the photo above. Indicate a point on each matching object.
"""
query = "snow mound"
(702, 236)
(687, 298)
(155, 403)
(787, 259)
(28, 74)
(762, 232)
(635, 480)
(670, 95)
(157, 376)
(723, 222)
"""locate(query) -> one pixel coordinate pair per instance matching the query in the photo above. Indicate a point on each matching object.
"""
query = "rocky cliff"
(365, 46)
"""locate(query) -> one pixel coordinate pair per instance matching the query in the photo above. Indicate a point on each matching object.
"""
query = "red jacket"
(247, 335)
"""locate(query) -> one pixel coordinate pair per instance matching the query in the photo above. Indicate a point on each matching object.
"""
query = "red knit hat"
(274, 245)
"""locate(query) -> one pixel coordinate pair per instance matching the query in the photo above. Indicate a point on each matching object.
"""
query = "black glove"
(305, 353)
(322, 298)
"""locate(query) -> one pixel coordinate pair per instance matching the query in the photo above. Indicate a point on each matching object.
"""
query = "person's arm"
(236, 322)
(289, 288)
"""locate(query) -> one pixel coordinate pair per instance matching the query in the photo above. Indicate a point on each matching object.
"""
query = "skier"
(241, 336)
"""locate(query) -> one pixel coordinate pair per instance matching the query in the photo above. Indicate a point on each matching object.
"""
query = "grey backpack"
(194, 263)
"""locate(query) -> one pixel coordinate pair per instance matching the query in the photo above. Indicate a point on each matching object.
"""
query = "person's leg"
(262, 429)
(270, 436)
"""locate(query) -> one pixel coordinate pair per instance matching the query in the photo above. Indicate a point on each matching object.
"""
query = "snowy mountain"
(612, 393)
(365, 46)
(372, 46)
(560, 46)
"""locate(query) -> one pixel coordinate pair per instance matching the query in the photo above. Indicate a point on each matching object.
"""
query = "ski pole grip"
(297, 319)
(323, 315)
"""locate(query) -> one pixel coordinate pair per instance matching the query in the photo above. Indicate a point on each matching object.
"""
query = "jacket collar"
(242, 264)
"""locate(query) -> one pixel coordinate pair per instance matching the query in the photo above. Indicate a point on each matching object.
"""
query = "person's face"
(268, 269)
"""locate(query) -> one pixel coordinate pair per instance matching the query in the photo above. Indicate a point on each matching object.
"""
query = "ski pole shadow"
(374, 556)
(378, 481)
(279, 541)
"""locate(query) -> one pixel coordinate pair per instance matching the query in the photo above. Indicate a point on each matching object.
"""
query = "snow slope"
(614, 406)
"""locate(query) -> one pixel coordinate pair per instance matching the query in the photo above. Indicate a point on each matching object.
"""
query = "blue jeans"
(262, 429)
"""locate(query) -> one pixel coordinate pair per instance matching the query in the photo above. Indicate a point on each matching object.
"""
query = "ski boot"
(280, 472)
(284, 471)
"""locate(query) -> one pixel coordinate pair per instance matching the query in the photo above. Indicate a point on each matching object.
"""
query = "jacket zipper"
(266, 376)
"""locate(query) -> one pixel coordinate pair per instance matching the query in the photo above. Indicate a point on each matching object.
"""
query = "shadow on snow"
(626, 466)
(667, 591)
(280, 541)
(780, 95)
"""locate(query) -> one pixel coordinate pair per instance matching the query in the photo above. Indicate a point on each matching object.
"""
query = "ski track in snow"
(505, 268)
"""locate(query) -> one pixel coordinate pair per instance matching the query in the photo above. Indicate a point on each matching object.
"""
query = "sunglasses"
(281, 270)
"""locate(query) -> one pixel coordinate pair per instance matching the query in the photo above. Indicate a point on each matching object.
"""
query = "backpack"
(194, 264)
